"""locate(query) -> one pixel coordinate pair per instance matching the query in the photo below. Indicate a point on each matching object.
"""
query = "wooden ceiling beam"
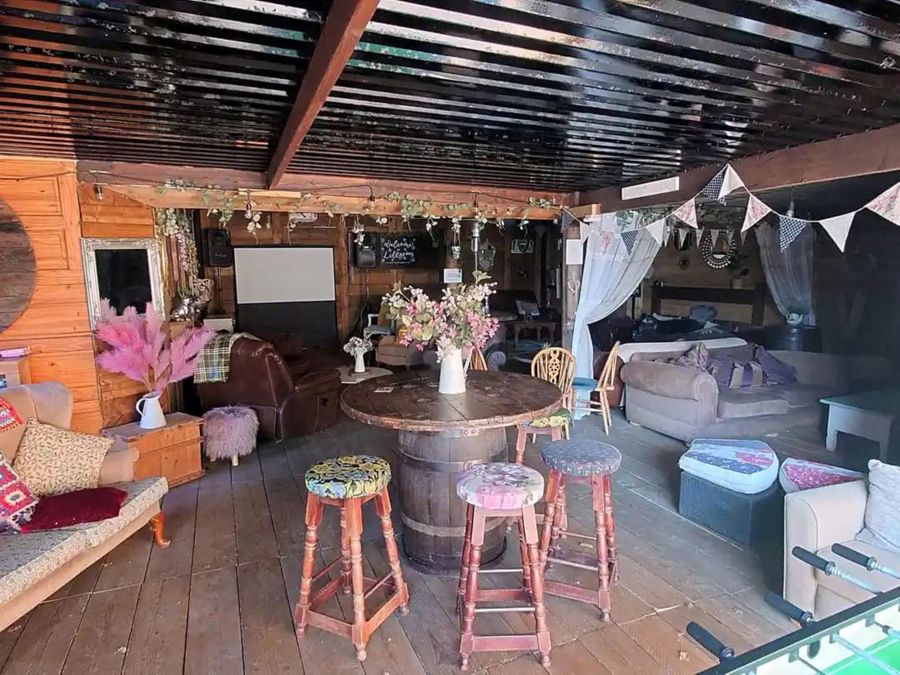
(340, 34)
(862, 154)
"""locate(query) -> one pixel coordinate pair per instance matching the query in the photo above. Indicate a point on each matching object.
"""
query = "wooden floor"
(220, 599)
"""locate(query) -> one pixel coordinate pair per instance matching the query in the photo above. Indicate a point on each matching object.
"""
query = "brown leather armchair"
(289, 402)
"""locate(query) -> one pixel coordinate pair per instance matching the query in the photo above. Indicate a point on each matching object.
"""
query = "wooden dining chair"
(605, 383)
(555, 365)
(476, 361)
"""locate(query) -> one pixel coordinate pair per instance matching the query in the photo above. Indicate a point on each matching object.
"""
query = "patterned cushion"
(142, 494)
(53, 460)
(25, 559)
(745, 466)
(799, 474)
(16, 501)
(696, 357)
(348, 477)
(9, 418)
(560, 418)
(581, 457)
(500, 486)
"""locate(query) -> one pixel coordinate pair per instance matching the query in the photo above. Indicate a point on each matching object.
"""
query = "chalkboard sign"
(399, 250)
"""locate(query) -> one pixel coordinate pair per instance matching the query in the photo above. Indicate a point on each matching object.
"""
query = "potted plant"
(456, 324)
(140, 350)
(357, 348)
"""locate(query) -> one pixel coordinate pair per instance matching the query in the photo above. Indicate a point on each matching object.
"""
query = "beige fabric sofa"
(816, 519)
(34, 566)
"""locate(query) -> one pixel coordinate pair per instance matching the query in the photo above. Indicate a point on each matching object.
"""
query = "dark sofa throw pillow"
(74, 508)
(720, 367)
(746, 375)
(775, 370)
(695, 357)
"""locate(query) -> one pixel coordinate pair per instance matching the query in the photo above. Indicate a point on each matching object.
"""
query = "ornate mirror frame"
(92, 282)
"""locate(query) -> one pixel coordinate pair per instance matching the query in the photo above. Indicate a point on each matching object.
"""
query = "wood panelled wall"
(44, 195)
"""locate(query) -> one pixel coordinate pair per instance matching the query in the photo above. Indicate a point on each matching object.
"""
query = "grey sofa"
(686, 403)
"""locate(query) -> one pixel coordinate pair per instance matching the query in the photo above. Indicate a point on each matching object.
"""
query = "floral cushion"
(798, 474)
(558, 419)
(348, 477)
(581, 457)
(25, 559)
(745, 466)
(17, 502)
(500, 486)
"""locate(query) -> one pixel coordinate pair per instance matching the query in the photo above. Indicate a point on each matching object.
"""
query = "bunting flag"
(729, 234)
(838, 228)
(698, 237)
(657, 230)
(714, 237)
(730, 182)
(605, 240)
(629, 238)
(687, 213)
(756, 211)
(667, 233)
(789, 229)
(713, 189)
(566, 219)
(680, 235)
(887, 204)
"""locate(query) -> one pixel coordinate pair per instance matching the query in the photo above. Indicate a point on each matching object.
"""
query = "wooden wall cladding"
(44, 196)
(17, 268)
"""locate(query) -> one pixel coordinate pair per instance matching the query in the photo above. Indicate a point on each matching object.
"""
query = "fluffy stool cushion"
(229, 431)
(348, 477)
(581, 457)
(500, 486)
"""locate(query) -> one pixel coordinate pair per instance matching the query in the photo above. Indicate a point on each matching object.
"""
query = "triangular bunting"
(756, 211)
(729, 234)
(730, 183)
(680, 236)
(566, 219)
(713, 188)
(687, 213)
(887, 204)
(667, 233)
(838, 228)
(698, 237)
(789, 229)
(714, 237)
(657, 230)
(629, 238)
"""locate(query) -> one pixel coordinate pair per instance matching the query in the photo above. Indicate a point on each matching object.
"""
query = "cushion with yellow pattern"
(558, 419)
(348, 477)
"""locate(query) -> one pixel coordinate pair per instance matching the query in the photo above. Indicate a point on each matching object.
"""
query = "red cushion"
(72, 508)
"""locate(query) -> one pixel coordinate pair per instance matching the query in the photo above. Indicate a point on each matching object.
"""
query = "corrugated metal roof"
(557, 95)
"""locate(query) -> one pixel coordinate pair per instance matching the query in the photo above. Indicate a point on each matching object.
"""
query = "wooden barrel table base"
(439, 437)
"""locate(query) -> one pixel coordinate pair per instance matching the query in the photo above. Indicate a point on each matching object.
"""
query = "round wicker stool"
(229, 432)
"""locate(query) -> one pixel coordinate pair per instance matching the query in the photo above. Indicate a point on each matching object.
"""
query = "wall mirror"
(125, 271)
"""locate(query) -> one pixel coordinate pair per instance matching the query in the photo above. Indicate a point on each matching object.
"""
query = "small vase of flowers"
(140, 350)
(456, 324)
(357, 348)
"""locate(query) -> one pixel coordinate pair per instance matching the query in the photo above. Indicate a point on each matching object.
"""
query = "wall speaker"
(219, 252)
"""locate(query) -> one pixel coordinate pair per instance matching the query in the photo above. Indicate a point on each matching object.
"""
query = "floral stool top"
(741, 465)
(348, 477)
(800, 474)
(558, 419)
(581, 457)
(500, 486)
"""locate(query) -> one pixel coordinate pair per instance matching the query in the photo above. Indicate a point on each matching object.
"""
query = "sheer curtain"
(789, 274)
(610, 276)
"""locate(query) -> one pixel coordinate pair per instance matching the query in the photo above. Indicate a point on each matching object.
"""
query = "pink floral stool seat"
(799, 474)
(507, 491)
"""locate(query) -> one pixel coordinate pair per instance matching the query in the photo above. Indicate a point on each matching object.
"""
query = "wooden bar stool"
(501, 490)
(348, 483)
(581, 460)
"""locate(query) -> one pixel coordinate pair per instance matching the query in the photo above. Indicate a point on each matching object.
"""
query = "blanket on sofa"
(214, 360)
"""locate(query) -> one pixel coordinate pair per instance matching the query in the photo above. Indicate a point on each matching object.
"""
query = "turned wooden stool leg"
(467, 635)
(610, 522)
(560, 514)
(550, 500)
(521, 441)
(313, 519)
(345, 553)
(383, 508)
(533, 559)
(354, 525)
(464, 562)
(523, 553)
(157, 525)
(604, 600)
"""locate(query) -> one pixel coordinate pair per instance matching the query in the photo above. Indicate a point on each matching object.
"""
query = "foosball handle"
(853, 556)
(710, 642)
(811, 558)
(789, 609)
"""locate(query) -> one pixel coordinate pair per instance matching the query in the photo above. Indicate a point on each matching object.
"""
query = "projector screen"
(283, 275)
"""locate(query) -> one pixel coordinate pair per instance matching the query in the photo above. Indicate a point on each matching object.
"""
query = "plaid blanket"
(215, 358)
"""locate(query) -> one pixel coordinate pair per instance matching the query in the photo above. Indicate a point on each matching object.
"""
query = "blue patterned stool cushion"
(742, 465)
(500, 486)
(581, 457)
(348, 477)
(557, 419)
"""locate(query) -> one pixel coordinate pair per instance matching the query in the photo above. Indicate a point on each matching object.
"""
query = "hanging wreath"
(717, 260)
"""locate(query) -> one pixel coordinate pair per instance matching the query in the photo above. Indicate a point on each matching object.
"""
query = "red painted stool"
(501, 490)
(581, 460)
(348, 483)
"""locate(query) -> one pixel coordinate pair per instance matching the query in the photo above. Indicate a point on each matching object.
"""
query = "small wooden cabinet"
(172, 451)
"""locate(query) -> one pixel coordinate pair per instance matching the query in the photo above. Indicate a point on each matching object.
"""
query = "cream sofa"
(816, 519)
(34, 566)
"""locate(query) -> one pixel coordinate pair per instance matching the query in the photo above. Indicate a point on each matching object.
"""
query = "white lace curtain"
(611, 274)
(789, 274)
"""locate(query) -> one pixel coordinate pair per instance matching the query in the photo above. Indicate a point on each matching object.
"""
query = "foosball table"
(862, 639)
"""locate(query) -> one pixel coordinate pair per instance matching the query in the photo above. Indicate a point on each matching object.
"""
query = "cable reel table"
(440, 436)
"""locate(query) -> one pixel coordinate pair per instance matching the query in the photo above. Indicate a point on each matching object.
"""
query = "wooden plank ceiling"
(565, 95)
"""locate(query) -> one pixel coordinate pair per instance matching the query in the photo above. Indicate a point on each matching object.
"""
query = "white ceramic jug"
(150, 410)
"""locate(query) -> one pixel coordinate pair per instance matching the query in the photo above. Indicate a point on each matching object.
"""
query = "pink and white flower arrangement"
(140, 350)
(357, 346)
(458, 321)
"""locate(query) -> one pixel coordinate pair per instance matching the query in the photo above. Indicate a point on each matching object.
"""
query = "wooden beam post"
(340, 34)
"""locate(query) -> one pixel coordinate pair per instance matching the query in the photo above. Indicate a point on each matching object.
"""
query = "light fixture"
(98, 190)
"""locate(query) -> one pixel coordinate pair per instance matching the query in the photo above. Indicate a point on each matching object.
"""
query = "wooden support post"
(571, 290)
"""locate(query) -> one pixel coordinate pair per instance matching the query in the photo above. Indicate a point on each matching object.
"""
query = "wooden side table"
(172, 451)
(537, 326)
